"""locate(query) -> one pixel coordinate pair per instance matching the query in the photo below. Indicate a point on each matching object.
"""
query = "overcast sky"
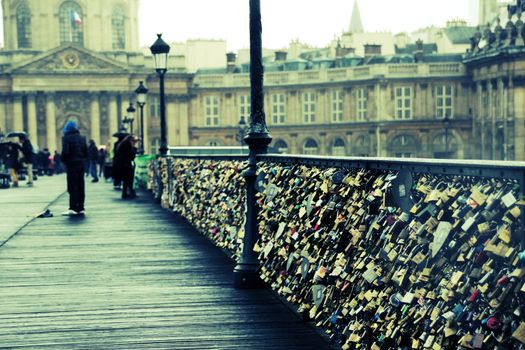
(314, 22)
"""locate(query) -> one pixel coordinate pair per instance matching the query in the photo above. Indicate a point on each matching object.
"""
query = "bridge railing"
(384, 252)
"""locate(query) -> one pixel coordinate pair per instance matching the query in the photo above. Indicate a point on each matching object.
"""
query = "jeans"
(76, 186)
(93, 169)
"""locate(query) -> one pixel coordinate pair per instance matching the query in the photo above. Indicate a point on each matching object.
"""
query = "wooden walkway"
(127, 276)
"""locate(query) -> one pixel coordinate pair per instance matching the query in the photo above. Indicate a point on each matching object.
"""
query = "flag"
(75, 18)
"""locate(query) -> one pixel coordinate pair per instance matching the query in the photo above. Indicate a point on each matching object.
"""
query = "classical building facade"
(57, 65)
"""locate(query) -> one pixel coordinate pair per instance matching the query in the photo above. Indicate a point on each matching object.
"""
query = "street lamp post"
(242, 131)
(160, 51)
(141, 93)
(130, 118)
(258, 138)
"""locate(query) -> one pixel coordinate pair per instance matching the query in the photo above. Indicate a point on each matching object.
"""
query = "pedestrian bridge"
(129, 275)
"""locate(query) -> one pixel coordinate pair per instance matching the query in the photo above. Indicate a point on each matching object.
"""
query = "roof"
(428, 49)
(460, 34)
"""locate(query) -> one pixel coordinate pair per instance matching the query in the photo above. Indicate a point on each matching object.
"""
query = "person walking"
(93, 160)
(124, 163)
(74, 155)
(101, 161)
(12, 160)
(29, 157)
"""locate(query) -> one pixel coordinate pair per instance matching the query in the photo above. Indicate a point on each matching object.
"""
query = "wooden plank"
(131, 276)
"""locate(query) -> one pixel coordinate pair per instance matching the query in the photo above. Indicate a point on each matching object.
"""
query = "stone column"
(95, 118)
(171, 122)
(18, 117)
(112, 116)
(31, 118)
(481, 118)
(184, 135)
(493, 128)
(3, 114)
(323, 147)
(519, 126)
(51, 128)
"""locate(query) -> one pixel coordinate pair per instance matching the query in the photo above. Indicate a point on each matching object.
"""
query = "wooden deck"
(127, 276)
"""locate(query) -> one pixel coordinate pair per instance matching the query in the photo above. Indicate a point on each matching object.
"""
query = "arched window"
(71, 26)
(311, 147)
(281, 146)
(404, 146)
(338, 148)
(444, 145)
(361, 146)
(23, 26)
(117, 27)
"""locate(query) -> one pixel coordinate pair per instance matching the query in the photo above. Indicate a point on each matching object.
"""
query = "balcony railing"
(336, 74)
(363, 243)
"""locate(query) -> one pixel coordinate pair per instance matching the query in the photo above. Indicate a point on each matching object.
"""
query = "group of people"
(18, 156)
(75, 153)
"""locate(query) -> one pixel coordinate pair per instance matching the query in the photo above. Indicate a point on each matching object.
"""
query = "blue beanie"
(70, 127)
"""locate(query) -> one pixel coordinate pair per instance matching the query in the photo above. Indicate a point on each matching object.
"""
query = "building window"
(118, 31)
(154, 106)
(214, 143)
(278, 108)
(445, 145)
(211, 111)
(444, 103)
(404, 103)
(309, 106)
(338, 148)
(362, 146)
(23, 26)
(337, 106)
(155, 145)
(70, 19)
(281, 146)
(404, 146)
(311, 147)
(362, 104)
(245, 107)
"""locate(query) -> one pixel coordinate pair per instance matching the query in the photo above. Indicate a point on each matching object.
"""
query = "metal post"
(257, 139)
(141, 150)
(163, 150)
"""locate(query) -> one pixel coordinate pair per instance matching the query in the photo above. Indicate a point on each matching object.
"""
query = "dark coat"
(27, 150)
(74, 148)
(123, 167)
(11, 155)
(92, 152)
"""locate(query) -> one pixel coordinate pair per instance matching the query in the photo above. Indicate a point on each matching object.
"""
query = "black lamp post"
(258, 138)
(160, 51)
(130, 118)
(141, 93)
(242, 131)
(446, 125)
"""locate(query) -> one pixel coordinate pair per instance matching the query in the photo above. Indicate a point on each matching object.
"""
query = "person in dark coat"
(117, 180)
(93, 160)
(74, 155)
(29, 157)
(124, 164)
(12, 160)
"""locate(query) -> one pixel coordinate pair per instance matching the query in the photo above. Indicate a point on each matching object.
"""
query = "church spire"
(356, 25)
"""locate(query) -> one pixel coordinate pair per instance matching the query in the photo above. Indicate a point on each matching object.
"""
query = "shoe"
(94, 180)
(15, 184)
(69, 212)
(29, 184)
(81, 212)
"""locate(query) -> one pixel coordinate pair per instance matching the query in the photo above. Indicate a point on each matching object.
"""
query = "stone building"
(58, 64)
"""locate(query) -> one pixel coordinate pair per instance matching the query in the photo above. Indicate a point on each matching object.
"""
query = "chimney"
(230, 62)
(280, 56)
(343, 51)
(419, 53)
(372, 50)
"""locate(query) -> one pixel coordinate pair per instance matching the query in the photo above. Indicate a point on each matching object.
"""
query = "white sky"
(314, 22)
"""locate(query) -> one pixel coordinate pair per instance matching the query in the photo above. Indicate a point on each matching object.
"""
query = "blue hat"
(70, 126)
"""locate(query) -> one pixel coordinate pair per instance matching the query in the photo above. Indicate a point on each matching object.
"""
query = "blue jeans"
(93, 169)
